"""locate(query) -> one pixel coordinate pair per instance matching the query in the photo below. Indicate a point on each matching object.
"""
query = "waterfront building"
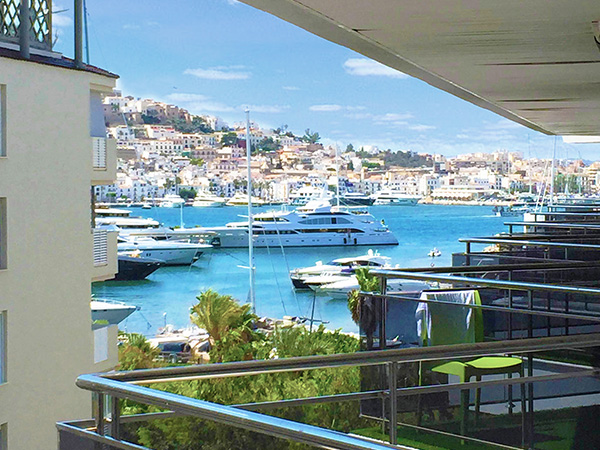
(52, 128)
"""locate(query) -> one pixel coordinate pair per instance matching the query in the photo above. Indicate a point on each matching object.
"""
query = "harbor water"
(166, 296)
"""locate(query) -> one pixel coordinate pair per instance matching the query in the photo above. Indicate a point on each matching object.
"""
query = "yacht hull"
(238, 238)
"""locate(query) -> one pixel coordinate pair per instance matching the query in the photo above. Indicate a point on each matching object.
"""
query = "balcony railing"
(38, 16)
(106, 427)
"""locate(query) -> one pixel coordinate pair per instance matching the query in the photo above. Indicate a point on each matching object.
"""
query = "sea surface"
(166, 296)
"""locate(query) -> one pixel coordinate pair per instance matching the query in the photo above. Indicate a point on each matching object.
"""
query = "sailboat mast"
(250, 241)
(552, 174)
(337, 174)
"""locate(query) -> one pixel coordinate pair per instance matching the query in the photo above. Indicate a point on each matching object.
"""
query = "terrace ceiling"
(532, 61)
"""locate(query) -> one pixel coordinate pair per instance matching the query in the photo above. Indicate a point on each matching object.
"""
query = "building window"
(3, 234)
(3, 340)
(2, 120)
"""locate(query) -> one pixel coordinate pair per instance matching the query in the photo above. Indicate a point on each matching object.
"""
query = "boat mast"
(552, 174)
(337, 174)
(250, 243)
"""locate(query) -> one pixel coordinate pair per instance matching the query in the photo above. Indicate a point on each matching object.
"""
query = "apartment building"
(52, 128)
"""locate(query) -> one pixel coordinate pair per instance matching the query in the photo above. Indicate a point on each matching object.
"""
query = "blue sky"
(218, 56)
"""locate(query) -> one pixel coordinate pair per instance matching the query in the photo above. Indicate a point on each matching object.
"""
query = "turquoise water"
(167, 295)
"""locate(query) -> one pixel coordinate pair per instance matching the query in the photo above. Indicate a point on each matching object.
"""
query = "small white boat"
(111, 311)
(172, 252)
(300, 276)
(146, 206)
(340, 289)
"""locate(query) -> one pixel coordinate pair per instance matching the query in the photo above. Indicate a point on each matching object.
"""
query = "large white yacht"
(171, 252)
(323, 225)
(172, 201)
(206, 199)
(240, 199)
(392, 197)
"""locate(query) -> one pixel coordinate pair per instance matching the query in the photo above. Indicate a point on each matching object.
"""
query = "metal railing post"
(98, 405)
(393, 386)
(78, 15)
(115, 424)
(24, 27)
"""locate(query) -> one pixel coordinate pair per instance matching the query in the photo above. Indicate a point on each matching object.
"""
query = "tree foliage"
(196, 125)
(310, 137)
(267, 145)
(235, 339)
(187, 194)
(404, 159)
(229, 139)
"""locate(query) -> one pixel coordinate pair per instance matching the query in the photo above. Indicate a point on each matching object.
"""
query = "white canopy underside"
(534, 62)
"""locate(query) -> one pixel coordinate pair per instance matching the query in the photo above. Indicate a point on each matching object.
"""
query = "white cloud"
(333, 108)
(325, 108)
(392, 117)
(61, 17)
(131, 26)
(291, 88)
(421, 127)
(367, 67)
(186, 98)
(219, 73)
(266, 109)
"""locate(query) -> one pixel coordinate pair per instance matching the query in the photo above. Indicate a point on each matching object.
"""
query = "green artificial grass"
(561, 429)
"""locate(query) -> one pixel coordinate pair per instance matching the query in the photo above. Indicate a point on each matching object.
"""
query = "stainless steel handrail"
(513, 285)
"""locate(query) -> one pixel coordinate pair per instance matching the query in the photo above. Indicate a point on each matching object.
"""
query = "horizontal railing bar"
(504, 309)
(413, 390)
(367, 358)
(590, 226)
(504, 267)
(513, 285)
(333, 398)
(443, 433)
(235, 417)
(422, 390)
(530, 243)
(92, 436)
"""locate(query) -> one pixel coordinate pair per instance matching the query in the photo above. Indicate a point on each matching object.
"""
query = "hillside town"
(162, 150)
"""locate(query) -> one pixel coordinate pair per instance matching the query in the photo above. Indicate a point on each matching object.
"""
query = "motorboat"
(240, 199)
(110, 312)
(206, 199)
(172, 201)
(126, 224)
(339, 266)
(514, 210)
(133, 267)
(434, 253)
(392, 197)
(339, 290)
(356, 199)
(324, 225)
(305, 194)
(172, 252)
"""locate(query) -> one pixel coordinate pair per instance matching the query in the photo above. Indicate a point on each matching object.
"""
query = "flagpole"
(250, 238)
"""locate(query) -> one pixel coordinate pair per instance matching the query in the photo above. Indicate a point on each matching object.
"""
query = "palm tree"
(215, 313)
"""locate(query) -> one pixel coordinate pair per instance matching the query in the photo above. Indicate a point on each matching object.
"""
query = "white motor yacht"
(340, 289)
(339, 266)
(111, 311)
(172, 201)
(240, 199)
(322, 226)
(172, 252)
(306, 194)
(206, 199)
(392, 197)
